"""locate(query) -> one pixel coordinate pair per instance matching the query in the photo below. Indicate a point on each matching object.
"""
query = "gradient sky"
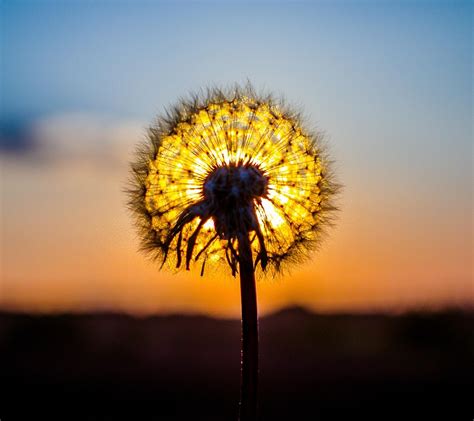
(389, 82)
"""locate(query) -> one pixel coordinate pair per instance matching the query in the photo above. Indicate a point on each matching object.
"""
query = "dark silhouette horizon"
(174, 367)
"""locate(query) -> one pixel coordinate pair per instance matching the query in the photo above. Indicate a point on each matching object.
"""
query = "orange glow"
(59, 266)
(68, 245)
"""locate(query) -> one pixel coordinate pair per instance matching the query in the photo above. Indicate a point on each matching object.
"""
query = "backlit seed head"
(225, 164)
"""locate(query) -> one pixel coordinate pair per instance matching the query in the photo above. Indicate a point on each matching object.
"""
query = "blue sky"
(391, 82)
(131, 58)
(365, 69)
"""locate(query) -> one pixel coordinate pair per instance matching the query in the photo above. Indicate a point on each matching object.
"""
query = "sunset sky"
(390, 83)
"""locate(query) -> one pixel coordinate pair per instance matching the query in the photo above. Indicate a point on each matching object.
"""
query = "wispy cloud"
(72, 140)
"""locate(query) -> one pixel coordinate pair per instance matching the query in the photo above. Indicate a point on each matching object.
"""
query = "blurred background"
(381, 316)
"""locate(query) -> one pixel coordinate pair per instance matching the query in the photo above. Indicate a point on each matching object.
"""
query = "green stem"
(249, 367)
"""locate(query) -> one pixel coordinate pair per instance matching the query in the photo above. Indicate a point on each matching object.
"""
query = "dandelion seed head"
(230, 164)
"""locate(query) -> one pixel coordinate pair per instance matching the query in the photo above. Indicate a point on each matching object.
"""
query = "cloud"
(79, 140)
(14, 137)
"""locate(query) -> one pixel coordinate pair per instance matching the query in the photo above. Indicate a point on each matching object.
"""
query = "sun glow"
(272, 163)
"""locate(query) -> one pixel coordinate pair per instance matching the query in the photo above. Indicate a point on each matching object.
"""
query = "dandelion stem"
(249, 362)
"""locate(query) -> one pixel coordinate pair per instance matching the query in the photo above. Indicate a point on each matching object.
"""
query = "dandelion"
(234, 178)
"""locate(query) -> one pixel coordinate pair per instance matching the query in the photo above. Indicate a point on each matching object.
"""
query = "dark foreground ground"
(114, 367)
